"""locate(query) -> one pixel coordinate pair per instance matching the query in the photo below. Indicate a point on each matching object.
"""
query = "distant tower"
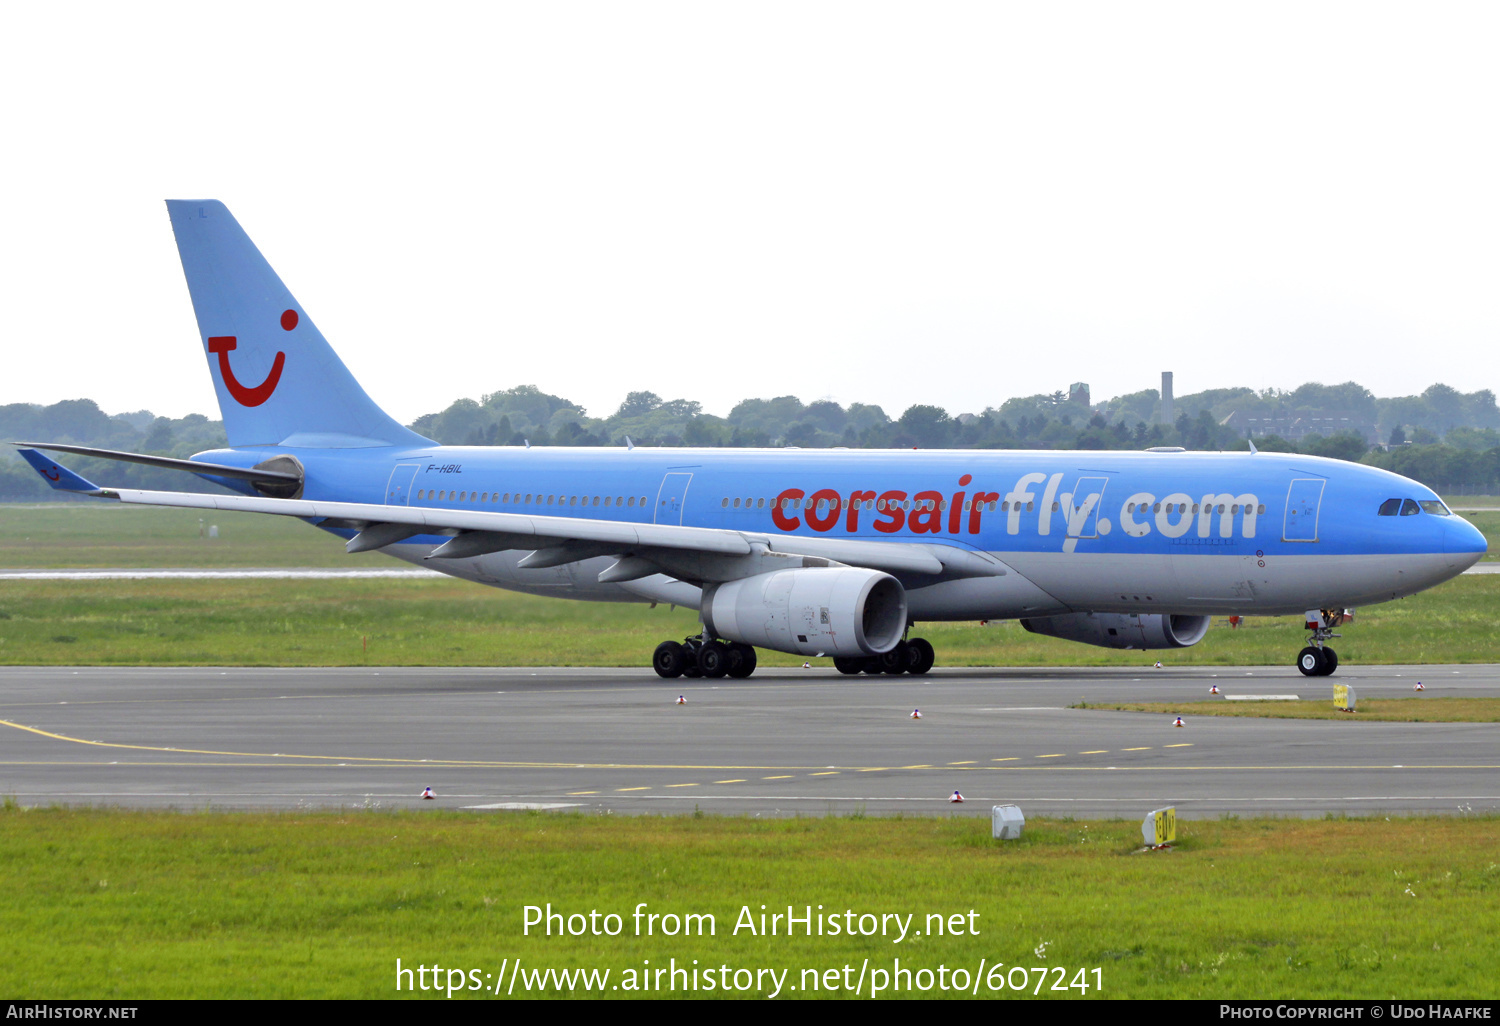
(1166, 398)
(1078, 393)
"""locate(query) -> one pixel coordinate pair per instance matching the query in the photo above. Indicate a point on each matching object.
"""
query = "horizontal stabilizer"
(169, 463)
(57, 475)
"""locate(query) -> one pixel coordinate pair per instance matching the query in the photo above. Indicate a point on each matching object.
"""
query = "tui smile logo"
(243, 394)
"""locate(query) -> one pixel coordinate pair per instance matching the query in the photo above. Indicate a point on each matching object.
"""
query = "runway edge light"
(956, 797)
(1006, 822)
(427, 793)
(1343, 698)
(1159, 828)
(916, 714)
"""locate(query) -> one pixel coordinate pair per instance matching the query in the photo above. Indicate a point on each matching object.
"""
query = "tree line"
(1447, 439)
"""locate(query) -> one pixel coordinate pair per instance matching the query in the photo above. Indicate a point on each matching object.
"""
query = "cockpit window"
(1410, 508)
(1436, 508)
(1390, 507)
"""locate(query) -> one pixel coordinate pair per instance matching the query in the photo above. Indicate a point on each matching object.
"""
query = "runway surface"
(808, 742)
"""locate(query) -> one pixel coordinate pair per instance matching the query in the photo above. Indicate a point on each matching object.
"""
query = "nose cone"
(1463, 543)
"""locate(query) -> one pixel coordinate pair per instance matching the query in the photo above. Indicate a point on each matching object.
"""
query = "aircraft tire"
(742, 660)
(920, 656)
(713, 660)
(1330, 661)
(871, 665)
(668, 660)
(896, 660)
(848, 664)
(1311, 662)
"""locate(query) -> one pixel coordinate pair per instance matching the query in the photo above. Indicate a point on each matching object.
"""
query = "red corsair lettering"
(246, 396)
(923, 513)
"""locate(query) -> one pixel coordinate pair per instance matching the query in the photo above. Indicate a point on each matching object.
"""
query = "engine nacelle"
(836, 611)
(1123, 630)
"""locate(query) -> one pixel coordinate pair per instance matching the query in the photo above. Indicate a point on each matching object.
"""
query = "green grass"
(1400, 710)
(448, 622)
(107, 904)
(108, 534)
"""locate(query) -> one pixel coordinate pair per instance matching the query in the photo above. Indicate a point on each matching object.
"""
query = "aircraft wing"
(554, 541)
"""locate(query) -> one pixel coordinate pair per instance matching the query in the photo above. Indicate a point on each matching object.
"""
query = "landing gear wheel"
(1311, 662)
(1330, 661)
(668, 660)
(896, 660)
(871, 665)
(919, 656)
(713, 659)
(741, 660)
(848, 664)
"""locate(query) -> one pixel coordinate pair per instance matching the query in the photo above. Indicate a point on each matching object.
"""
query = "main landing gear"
(1317, 659)
(703, 657)
(914, 656)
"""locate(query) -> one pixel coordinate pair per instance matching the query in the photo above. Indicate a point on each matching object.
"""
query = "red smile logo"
(245, 395)
(52, 474)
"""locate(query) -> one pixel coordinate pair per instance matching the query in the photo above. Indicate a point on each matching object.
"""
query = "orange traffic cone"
(681, 700)
(916, 714)
(427, 793)
(956, 797)
(1178, 722)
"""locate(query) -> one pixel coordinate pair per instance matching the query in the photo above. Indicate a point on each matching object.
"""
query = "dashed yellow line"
(739, 781)
(1101, 751)
(825, 773)
(1008, 758)
(924, 765)
(682, 785)
(1058, 755)
(574, 794)
(786, 777)
(874, 769)
(968, 763)
(1185, 744)
(1146, 749)
(632, 789)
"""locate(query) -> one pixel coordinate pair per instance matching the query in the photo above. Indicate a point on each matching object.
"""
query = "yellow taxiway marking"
(825, 773)
(739, 781)
(574, 794)
(968, 763)
(1008, 758)
(787, 776)
(632, 789)
(1146, 749)
(874, 769)
(370, 760)
(1059, 755)
(922, 766)
(682, 785)
(1099, 751)
(1185, 744)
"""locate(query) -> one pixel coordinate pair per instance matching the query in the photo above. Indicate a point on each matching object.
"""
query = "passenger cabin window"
(1409, 508)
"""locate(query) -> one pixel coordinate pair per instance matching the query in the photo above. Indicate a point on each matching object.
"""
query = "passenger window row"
(1411, 507)
(1182, 507)
(520, 499)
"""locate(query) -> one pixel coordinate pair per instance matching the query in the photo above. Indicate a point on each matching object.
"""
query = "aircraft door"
(1303, 498)
(1080, 510)
(671, 497)
(398, 489)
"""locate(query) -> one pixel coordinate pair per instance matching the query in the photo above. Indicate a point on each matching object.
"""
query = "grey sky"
(949, 204)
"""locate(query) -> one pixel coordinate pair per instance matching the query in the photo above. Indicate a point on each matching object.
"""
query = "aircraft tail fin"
(278, 380)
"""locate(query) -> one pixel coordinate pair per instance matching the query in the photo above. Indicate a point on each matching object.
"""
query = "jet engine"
(1123, 630)
(833, 611)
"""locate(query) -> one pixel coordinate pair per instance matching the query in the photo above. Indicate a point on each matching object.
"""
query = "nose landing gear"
(1317, 659)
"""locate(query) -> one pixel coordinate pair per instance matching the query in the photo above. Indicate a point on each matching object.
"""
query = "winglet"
(57, 475)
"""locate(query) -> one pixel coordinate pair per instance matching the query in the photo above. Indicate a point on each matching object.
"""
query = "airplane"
(827, 552)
